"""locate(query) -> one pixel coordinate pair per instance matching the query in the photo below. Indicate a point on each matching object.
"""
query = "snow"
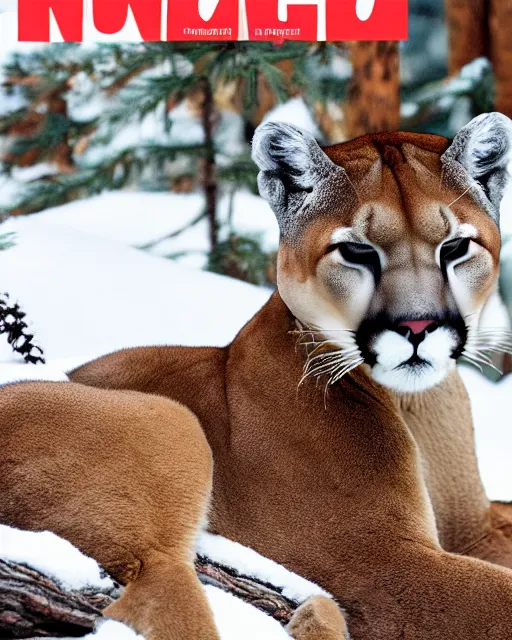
(85, 296)
(232, 614)
(409, 109)
(130, 218)
(112, 630)
(184, 130)
(506, 209)
(138, 218)
(476, 69)
(12, 372)
(490, 404)
(249, 563)
(13, 186)
(54, 557)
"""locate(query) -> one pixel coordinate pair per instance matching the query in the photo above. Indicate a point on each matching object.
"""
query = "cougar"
(339, 428)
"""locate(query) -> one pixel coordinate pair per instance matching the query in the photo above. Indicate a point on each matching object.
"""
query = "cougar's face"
(391, 258)
(403, 291)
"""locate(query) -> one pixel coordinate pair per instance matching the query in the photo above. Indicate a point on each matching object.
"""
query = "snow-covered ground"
(87, 296)
(137, 219)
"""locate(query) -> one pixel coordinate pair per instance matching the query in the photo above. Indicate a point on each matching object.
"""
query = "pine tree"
(137, 83)
(12, 320)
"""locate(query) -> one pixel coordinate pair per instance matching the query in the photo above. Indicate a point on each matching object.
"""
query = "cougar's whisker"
(472, 186)
(348, 367)
(482, 358)
(325, 363)
(325, 367)
(322, 331)
(496, 346)
(470, 359)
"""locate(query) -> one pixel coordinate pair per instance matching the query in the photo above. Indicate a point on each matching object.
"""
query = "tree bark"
(482, 28)
(373, 96)
(209, 167)
(467, 32)
(33, 605)
(500, 29)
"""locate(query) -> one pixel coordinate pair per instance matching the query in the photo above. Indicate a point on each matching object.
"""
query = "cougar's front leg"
(319, 618)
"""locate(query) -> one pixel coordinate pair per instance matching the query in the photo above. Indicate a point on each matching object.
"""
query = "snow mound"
(490, 404)
(85, 296)
(54, 557)
(137, 219)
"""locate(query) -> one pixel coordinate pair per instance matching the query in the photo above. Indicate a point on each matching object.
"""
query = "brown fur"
(316, 616)
(441, 423)
(124, 476)
(130, 488)
(359, 493)
(359, 522)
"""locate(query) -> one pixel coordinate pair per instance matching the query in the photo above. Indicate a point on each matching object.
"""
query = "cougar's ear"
(483, 148)
(292, 166)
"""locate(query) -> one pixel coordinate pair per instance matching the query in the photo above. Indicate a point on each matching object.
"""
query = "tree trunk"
(482, 28)
(467, 32)
(373, 96)
(500, 29)
(32, 605)
(209, 168)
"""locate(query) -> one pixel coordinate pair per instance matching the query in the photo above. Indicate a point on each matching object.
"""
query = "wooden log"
(33, 605)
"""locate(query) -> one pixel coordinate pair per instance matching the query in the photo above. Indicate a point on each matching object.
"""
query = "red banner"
(275, 20)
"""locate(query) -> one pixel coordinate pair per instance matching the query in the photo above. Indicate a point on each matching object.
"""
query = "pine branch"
(6, 239)
(12, 323)
(174, 234)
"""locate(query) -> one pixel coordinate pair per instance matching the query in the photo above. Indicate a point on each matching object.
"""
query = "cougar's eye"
(361, 254)
(453, 250)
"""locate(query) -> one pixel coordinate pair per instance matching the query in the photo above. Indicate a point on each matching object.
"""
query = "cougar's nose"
(419, 326)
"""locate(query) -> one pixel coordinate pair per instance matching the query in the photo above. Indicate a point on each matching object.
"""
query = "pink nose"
(417, 326)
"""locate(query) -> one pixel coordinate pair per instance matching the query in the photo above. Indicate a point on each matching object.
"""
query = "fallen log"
(33, 605)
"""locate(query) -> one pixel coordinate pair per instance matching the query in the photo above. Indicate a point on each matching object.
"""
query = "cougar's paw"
(319, 618)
